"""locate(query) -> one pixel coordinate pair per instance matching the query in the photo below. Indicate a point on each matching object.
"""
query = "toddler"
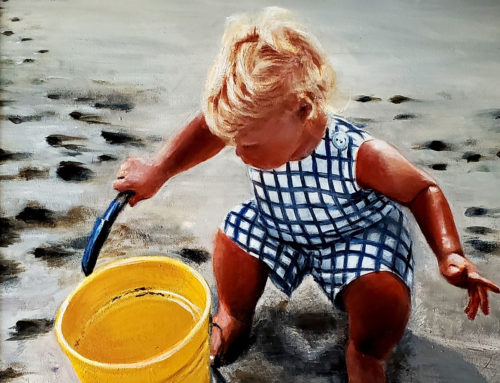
(328, 197)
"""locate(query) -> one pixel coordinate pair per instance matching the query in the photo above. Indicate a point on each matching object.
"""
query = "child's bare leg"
(240, 280)
(378, 306)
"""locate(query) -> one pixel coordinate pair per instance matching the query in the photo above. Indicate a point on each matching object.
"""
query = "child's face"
(270, 142)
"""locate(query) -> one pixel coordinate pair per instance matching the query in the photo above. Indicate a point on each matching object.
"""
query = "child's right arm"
(145, 176)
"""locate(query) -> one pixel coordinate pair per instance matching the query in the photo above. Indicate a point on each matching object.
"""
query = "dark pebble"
(480, 230)
(10, 373)
(73, 171)
(43, 51)
(498, 154)
(26, 39)
(30, 328)
(120, 138)
(114, 106)
(483, 246)
(54, 96)
(198, 256)
(9, 156)
(437, 145)
(34, 213)
(367, 99)
(475, 211)
(106, 157)
(8, 33)
(29, 61)
(14, 19)
(439, 166)
(405, 116)
(398, 99)
(471, 157)
(9, 270)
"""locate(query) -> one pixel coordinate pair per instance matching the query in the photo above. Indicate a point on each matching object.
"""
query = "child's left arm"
(381, 167)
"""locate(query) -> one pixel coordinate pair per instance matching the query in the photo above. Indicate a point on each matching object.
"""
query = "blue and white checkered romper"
(311, 217)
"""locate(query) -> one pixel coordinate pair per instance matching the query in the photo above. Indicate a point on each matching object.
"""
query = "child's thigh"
(378, 305)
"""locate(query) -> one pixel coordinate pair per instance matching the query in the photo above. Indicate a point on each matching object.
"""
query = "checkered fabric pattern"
(310, 216)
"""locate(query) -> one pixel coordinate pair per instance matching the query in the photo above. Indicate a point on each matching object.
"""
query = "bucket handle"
(216, 374)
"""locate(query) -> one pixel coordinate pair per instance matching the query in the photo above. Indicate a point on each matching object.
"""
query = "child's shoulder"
(340, 126)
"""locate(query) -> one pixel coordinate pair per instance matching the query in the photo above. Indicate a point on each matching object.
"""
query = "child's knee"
(378, 306)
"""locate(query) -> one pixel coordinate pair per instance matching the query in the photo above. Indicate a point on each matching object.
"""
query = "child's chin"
(262, 165)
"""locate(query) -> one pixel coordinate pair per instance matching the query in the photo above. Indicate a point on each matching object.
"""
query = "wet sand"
(84, 84)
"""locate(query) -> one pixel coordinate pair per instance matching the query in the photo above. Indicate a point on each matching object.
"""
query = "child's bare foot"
(229, 337)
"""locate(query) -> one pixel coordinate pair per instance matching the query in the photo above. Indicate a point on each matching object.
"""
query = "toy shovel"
(101, 230)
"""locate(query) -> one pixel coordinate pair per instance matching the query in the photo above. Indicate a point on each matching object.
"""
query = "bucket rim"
(67, 348)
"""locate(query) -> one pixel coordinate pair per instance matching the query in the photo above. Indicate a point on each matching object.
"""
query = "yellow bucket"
(142, 320)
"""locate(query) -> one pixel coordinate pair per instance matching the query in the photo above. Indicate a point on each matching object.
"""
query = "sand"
(84, 84)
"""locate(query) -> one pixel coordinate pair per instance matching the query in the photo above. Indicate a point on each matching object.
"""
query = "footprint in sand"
(34, 213)
(9, 270)
(198, 256)
(405, 116)
(10, 373)
(481, 212)
(364, 98)
(398, 99)
(5, 155)
(30, 328)
(88, 118)
(61, 141)
(440, 167)
(106, 158)
(74, 171)
(56, 254)
(482, 230)
(471, 157)
(16, 119)
(483, 246)
(121, 138)
(9, 231)
(436, 145)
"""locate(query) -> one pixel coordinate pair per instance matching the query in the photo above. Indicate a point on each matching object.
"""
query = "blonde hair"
(263, 61)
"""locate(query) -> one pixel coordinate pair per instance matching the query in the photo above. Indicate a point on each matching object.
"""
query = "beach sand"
(84, 84)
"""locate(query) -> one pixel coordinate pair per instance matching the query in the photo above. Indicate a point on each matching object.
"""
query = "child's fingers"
(483, 296)
(471, 314)
(476, 278)
(469, 305)
(132, 201)
(121, 185)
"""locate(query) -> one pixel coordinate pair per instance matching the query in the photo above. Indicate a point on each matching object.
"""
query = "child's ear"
(306, 109)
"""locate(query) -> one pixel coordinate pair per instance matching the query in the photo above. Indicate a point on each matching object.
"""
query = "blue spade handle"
(101, 230)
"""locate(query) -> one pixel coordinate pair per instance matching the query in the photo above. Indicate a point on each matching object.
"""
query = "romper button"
(340, 140)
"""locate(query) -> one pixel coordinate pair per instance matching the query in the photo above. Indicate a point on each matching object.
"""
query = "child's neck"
(313, 132)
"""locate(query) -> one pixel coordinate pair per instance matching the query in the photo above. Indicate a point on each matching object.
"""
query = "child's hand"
(459, 271)
(140, 175)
